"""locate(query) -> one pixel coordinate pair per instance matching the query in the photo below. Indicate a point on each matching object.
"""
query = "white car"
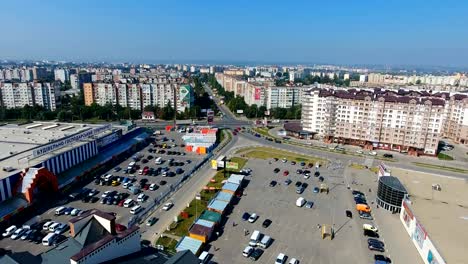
(373, 153)
(9, 231)
(370, 227)
(167, 206)
(280, 259)
(105, 194)
(294, 261)
(26, 234)
(61, 228)
(359, 151)
(247, 251)
(253, 217)
(18, 233)
(75, 212)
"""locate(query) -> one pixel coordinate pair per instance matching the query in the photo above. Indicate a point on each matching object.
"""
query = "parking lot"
(294, 230)
(146, 158)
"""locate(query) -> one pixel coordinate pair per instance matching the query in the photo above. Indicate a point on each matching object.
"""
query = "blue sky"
(393, 32)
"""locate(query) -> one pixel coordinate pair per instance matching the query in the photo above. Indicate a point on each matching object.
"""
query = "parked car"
(298, 184)
(364, 215)
(245, 216)
(247, 251)
(18, 233)
(253, 217)
(266, 223)
(376, 247)
(276, 170)
(285, 173)
(256, 254)
(349, 214)
(309, 204)
(294, 261)
(9, 231)
(273, 183)
(371, 233)
(167, 206)
(287, 181)
(280, 259)
(370, 227)
(316, 190)
(386, 155)
(151, 221)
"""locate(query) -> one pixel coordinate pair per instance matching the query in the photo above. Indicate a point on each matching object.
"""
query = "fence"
(163, 197)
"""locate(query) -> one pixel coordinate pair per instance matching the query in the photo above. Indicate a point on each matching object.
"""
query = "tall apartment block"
(406, 121)
(15, 95)
(137, 96)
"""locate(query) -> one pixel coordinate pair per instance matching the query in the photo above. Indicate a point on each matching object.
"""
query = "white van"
(141, 197)
(54, 227)
(136, 209)
(265, 242)
(49, 239)
(47, 225)
(108, 177)
(300, 202)
(128, 203)
(60, 210)
(204, 256)
(158, 160)
(153, 187)
(9, 231)
(254, 238)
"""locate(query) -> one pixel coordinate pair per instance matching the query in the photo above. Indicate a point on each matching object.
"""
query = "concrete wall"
(419, 236)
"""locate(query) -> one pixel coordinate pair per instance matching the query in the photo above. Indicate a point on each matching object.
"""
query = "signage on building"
(240, 111)
(257, 93)
(102, 142)
(69, 140)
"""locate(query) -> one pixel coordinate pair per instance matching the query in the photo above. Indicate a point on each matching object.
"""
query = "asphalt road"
(187, 193)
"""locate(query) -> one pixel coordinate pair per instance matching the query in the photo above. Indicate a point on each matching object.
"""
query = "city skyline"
(425, 33)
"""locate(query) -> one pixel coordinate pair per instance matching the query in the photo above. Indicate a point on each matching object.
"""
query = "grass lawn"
(262, 131)
(427, 165)
(239, 161)
(168, 243)
(194, 211)
(357, 166)
(269, 153)
(443, 156)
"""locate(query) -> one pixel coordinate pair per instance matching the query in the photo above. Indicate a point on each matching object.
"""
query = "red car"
(121, 203)
(285, 173)
(234, 133)
(146, 187)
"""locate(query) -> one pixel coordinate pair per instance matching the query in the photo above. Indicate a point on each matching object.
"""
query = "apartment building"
(137, 96)
(46, 95)
(88, 93)
(16, 95)
(407, 121)
(255, 93)
(285, 96)
(456, 126)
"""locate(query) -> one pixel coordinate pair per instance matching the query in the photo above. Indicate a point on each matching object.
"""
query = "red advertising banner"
(257, 93)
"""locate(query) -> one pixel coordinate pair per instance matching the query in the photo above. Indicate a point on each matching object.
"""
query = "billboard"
(232, 165)
(239, 111)
(210, 115)
(257, 93)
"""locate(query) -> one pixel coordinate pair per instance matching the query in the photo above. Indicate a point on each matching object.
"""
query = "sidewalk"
(398, 244)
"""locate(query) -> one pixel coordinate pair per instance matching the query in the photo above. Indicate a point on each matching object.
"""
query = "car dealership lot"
(122, 213)
(294, 230)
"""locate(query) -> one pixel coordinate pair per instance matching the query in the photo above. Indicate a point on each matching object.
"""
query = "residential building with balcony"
(405, 121)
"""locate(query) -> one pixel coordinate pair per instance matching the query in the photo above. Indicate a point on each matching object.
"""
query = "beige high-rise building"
(406, 121)
(88, 93)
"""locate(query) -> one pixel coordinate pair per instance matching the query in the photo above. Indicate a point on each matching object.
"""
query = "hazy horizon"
(397, 33)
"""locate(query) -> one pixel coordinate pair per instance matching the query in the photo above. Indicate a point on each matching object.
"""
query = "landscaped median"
(270, 153)
(438, 167)
(178, 230)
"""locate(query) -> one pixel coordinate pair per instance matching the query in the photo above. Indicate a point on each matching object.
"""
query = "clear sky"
(396, 32)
